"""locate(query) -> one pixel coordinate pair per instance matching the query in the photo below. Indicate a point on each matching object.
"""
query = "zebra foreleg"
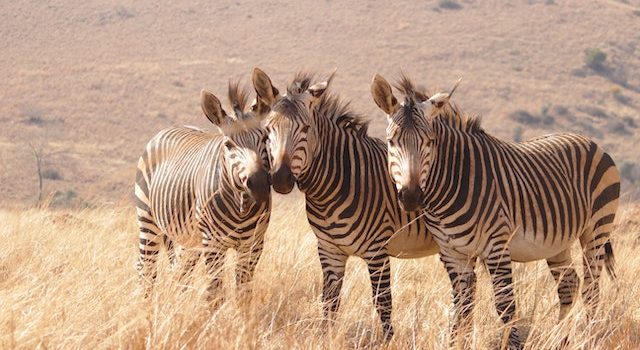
(188, 261)
(498, 262)
(333, 264)
(380, 274)
(171, 251)
(214, 262)
(247, 260)
(463, 282)
(149, 244)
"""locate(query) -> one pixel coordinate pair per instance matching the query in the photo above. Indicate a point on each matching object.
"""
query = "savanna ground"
(67, 281)
(86, 84)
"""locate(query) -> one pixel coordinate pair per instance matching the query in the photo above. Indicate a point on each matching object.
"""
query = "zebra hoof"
(387, 330)
(515, 345)
(563, 344)
(514, 342)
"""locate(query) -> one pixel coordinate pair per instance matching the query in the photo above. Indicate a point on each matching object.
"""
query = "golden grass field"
(67, 281)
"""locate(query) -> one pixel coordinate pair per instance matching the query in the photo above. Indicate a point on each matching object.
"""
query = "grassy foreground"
(67, 281)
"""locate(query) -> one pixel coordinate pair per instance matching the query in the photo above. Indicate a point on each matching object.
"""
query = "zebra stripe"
(318, 143)
(501, 201)
(206, 192)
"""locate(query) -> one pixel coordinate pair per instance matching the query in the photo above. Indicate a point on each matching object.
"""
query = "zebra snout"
(259, 186)
(409, 198)
(283, 179)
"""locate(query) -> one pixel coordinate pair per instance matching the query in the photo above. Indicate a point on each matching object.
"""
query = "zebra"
(498, 200)
(318, 142)
(208, 191)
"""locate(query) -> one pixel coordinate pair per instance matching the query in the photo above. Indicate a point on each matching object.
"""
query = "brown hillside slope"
(88, 84)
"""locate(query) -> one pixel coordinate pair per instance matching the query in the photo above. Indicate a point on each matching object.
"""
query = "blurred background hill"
(86, 84)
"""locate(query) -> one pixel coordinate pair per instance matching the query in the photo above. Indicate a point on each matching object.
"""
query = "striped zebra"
(208, 191)
(500, 201)
(316, 141)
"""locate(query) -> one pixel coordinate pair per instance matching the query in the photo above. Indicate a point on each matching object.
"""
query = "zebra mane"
(238, 98)
(334, 108)
(449, 113)
(416, 94)
(330, 106)
(300, 83)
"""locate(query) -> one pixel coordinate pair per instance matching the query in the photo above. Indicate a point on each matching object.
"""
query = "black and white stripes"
(500, 201)
(203, 190)
(316, 141)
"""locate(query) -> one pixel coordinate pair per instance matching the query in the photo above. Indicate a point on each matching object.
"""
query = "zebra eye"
(391, 143)
(305, 128)
(228, 144)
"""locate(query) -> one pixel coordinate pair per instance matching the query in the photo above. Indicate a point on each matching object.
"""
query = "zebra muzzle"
(283, 179)
(410, 198)
(259, 186)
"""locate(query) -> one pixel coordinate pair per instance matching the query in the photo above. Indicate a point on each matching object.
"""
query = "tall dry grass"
(67, 281)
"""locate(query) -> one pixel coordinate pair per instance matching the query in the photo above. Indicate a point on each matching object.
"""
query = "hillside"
(88, 84)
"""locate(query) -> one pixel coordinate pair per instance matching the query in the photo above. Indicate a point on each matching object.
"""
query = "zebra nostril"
(401, 193)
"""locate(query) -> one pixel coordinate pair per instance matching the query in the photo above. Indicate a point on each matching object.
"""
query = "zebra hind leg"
(380, 274)
(596, 252)
(566, 279)
(567, 283)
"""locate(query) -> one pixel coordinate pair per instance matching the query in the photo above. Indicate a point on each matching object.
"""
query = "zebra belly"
(524, 248)
(408, 244)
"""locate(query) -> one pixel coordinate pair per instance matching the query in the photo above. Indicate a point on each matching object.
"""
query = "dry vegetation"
(67, 281)
(86, 85)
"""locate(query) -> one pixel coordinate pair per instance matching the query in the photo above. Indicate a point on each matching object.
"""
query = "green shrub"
(524, 117)
(449, 4)
(32, 115)
(595, 58)
(618, 96)
(629, 172)
(560, 110)
(517, 133)
(51, 174)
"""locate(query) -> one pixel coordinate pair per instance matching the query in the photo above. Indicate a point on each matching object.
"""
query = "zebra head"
(291, 135)
(409, 138)
(244, 147)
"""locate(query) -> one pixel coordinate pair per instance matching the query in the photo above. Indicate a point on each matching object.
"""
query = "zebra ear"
(212, 108)
(266, 92)
(317, 90)
(383, 95)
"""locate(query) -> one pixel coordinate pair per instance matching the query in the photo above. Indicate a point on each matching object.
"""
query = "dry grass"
(67, 281)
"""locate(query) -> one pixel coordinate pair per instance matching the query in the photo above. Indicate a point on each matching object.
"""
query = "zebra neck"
(455, 174)
(328, 160)
(226, 186)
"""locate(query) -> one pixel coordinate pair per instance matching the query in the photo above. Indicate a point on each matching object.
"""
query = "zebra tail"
(609, 260)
